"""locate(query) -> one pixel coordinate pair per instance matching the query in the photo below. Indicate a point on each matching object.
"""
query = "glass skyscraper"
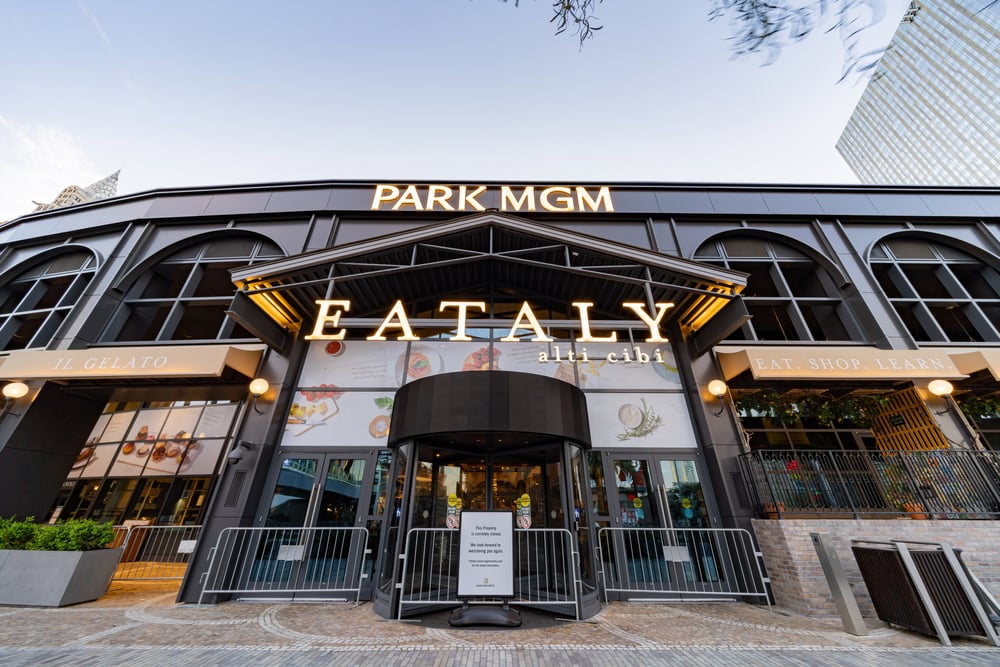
(931, 112)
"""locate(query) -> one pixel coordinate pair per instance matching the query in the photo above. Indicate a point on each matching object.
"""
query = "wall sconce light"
(236, 454)
(941, 388)
(718, 389)
(11, 392)
(258, 387)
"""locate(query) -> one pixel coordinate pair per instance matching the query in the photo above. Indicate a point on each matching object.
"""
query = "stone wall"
(797, 577)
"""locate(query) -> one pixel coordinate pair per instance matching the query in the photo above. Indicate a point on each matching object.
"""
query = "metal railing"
(305, 562)
(546, 569)
(937, 484)
(154, 552)
(680, 564)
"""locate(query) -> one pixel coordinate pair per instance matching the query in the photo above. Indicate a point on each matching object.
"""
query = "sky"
(221, 92)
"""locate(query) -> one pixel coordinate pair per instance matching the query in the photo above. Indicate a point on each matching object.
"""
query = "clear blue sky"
(203, 92)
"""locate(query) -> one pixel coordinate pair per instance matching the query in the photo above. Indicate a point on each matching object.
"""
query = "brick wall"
(797, 577)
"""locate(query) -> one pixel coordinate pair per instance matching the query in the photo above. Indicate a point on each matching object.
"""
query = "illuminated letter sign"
(553, 198)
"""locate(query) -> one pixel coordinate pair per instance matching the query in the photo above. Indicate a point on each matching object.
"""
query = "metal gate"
(304, 562)
(154, 552)
(680, 564)
(546, 569)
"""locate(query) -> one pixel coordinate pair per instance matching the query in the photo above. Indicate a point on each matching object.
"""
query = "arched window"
(942, 294)
(789, 295)
(185, 296)
(36, 301)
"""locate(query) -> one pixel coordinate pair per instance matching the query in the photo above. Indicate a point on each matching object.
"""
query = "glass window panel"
(772, 322)
(910, 249)
(290, 499)
(890, 280)
(912, 322)
(230, 247)
(708, 250)
(926, 282)
(803, 280)
(783, 251)
(981, 282)
(744, 247)
(69, 262)
(215, 281)
(955, 324)
(759, 283)
(200, 322)
(166, 281)
(824, 322)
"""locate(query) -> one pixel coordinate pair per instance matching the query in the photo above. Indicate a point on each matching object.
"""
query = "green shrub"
(73, 535)
(17, 534)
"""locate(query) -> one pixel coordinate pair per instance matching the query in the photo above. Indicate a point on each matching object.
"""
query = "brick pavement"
(139, 624)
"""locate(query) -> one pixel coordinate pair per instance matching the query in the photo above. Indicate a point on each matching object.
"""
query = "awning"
(173, 361)
(967, 362)
(837, 363)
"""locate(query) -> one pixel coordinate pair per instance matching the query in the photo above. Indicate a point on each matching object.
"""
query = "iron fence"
(680, 564)
(546, 569)
(154, 552)
(936, 484)
(312, 563)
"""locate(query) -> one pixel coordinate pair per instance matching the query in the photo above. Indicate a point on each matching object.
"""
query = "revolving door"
(441, 472)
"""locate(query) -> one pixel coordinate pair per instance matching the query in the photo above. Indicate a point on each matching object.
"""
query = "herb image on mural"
(639, 422)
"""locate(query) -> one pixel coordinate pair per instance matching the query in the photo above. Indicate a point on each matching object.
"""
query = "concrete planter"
(55, 578)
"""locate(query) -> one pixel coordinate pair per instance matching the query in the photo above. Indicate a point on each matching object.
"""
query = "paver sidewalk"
(138, 624)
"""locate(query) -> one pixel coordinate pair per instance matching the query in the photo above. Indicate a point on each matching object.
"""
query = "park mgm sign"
(510, 198)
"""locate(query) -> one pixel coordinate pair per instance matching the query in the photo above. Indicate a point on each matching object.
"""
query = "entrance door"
(543, 488)
(330, 490)
(634, 492)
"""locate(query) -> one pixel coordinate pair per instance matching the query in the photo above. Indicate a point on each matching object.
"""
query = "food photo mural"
(627, 366)
(354, 364)
(640, 420)
(320, 416)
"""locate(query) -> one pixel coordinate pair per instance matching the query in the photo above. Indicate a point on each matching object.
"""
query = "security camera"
(236, 454)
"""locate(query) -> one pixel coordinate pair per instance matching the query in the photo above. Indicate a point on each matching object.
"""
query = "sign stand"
(486, 569)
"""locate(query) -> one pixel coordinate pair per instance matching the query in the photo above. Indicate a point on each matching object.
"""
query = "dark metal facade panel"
(179, 206)
(238, 203)
(287, 201)
(845, 203)
(671, 202)
(739, 203)
(791, 203)
(956, 205)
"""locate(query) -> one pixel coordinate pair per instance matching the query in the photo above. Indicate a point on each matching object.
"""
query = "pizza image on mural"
(480, 360)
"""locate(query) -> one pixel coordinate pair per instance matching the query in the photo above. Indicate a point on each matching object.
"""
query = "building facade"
(929, 115)
(590, 358)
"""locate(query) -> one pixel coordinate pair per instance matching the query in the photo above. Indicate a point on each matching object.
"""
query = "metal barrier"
(546, 569)
(938, 483)
(155, 552)
(287, 561)
(681, 563)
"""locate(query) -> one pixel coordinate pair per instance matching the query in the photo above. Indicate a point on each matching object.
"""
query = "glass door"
(636, 495)
(325, 491)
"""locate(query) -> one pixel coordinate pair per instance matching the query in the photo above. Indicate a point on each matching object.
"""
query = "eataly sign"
(328, 327)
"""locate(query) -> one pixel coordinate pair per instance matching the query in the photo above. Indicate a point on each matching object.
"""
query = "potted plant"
(55, 565)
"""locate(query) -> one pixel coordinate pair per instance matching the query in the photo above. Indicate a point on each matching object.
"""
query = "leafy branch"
(859, 410)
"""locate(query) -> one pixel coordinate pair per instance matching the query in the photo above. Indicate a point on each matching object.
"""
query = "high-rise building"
(931, 112)
(74, 194)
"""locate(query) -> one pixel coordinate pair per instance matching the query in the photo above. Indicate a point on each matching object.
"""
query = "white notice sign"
(486, 556)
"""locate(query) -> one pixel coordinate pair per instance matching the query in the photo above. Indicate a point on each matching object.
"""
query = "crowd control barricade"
(546, 570)
(289, 563)
(155, 552)
(680, 564)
